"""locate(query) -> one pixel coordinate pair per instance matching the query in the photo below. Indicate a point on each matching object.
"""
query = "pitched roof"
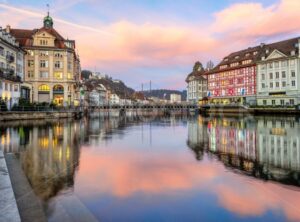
(254, 54)
(25, 36)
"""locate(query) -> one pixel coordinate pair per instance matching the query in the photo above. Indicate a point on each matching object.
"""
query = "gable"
(43, 38)
(275, 55)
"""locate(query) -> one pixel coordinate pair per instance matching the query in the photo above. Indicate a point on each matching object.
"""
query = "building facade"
(52, 66)
(175, 98)
(197, 84)
(11, 69)
(278, 74)
(233, 81)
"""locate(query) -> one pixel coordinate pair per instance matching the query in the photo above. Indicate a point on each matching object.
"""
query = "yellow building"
(52, 66)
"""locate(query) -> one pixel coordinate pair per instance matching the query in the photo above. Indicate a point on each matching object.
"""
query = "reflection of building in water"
(261, 147)
(278, 142)
(51, 158)
(232, 136)
(197, 136)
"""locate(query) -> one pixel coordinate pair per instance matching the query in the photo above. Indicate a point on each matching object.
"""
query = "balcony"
(9, 74)
(10, 58)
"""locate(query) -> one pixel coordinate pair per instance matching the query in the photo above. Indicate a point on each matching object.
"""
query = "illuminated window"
(70, 75)
(58, 75)
(44, 88)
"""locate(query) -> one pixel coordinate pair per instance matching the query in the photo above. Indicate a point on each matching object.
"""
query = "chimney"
(7, 30)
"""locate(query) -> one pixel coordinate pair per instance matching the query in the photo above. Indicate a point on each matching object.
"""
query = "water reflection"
(128, 170)
(266, 148)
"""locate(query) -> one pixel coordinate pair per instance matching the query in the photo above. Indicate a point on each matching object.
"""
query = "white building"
(197, 84)
(278, 74)
(175, 98)
(114, 99)
(11, 69)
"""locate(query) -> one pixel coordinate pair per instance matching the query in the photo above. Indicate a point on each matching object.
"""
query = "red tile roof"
(25, 37)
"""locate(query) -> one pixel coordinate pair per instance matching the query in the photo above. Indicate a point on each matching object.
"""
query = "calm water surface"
(169, 169)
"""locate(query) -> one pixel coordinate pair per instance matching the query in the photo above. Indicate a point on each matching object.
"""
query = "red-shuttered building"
(233, 80)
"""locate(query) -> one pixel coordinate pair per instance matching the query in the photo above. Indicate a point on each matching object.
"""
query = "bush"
(3, 106)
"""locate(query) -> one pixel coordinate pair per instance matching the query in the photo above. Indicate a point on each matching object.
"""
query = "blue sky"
(159, 40)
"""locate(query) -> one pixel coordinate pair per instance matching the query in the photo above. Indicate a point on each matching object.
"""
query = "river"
(161, 169)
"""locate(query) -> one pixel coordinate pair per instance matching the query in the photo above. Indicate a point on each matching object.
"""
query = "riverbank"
(8, 206)
(30, 208)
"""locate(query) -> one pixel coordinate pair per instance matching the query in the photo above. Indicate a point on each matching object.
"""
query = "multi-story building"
(175, 98)
(11, 69)
(278, 74)
(233, 80)
(52, 66)
(197, 84)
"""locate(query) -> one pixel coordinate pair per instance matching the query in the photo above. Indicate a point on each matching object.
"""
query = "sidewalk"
(8, 207)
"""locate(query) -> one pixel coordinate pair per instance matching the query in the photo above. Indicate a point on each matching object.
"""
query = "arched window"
(58, 89)
(44, 88)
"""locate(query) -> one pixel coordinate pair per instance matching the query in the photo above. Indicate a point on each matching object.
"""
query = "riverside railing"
(40, 109)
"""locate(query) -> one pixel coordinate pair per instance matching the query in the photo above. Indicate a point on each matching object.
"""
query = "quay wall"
(9, 116)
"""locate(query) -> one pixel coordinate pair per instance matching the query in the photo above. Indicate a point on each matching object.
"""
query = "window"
(283, 84)
(16, 88)
(263, 86)
(58, 75)
(276, 64)
(30, 74)
(283, 74)
(44, 88)
(44, 53)
(277, 84)
(263, 67)
(58, 55)
(69, 65)
(44, 64)
(270, 65)
(30, 63)
(70, 76)
(6, 86)
(262, 76)
(293, 83)
(273, 102)
(1, 84)
(58, 64)
(282, 102)
(271, 75)
(293, 74)
(265, 102)
(1, 51)
(277, 75)
(44, 74)
(292, 102)
(30, 52)
(271, 85)
(283, 63)
(43, 42)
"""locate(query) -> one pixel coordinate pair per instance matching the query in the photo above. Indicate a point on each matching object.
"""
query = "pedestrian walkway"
(8, 207)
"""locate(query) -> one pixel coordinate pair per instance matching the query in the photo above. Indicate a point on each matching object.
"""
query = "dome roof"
(48, 22)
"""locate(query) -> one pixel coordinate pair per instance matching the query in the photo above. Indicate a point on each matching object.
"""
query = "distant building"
(278, 74)
(52, 66)
(175, 98)
(11, 69)
(114, 99)
(197, 84)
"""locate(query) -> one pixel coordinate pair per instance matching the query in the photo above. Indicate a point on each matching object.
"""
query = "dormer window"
(236, 57)
(234, 64)
(226, 59)
(223, 67)
(293, 52)
(247, 55)
(246, 61)
(255, 53)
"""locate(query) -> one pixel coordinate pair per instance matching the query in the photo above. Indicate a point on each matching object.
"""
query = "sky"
(139, 41)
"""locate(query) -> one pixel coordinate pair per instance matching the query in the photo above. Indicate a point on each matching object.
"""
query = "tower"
(48, 21)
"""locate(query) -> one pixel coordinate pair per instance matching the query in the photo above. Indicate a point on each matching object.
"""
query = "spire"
(48, 21)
